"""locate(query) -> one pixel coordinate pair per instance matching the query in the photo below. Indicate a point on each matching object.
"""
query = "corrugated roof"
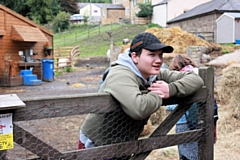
(27, 34)
(214, 5)
(101, 5)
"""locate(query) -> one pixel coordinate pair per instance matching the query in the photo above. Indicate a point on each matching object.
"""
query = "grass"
(95, 41)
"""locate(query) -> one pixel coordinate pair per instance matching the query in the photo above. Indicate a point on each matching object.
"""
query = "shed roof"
(31, 23)
(27, 34)
(161, 3)
(219, 6)
(232, 15)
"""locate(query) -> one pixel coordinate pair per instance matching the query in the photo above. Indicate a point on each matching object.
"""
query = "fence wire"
(56, 135)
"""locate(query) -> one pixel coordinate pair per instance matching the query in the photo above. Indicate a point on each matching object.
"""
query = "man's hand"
(161, 88)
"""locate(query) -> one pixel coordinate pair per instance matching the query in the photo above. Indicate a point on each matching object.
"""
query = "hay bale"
(229, 90)
(157, 117)
(179, 39)
(147, 129)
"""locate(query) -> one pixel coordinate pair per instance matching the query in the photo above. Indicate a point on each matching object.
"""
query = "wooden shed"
(228, 27)
(22, 47)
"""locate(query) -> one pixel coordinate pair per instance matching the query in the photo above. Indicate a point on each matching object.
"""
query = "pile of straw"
(229, 89)
(179, 39)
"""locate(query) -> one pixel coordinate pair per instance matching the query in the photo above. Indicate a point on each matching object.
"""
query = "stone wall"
(200, 24)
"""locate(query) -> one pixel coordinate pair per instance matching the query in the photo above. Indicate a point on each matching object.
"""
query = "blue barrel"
(48, 69)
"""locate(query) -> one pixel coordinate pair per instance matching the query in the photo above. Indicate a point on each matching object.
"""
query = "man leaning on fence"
(136, 71)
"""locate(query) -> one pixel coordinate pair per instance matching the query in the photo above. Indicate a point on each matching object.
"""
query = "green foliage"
(58, 73)
(95, 1)
(126, 21)
(61, 21)
(151, 25)
(225, 51)
(18, 6)
(40, 11)
(69, 69)
(228, 44)
(69, 6)
(146, 10)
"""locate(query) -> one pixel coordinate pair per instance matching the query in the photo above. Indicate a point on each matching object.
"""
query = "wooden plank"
(206, 144)
(46, 107)
(33, 144)
(67, 105)
(137, 147)
(58, 57)
(10, 101)
(24, 64)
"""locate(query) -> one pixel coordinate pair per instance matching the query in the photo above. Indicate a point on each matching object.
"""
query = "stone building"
(202, 19)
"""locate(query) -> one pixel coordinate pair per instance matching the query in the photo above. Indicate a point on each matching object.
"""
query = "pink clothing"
(188, 68)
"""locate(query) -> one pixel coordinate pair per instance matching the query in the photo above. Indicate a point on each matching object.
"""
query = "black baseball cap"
(150, 42)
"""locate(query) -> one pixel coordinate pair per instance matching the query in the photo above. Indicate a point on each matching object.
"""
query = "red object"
(215, 134)
(80, 145)
(47, 44)
(2, 126)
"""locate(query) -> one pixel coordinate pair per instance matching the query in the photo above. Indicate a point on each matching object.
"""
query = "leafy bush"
(125, 21)
(69, 69)
(224, 51)
(146, 10)
(61, 21)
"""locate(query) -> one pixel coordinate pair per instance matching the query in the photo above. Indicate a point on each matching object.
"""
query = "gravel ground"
(82, 80)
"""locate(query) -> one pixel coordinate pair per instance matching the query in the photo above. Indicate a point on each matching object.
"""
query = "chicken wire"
(51, 132)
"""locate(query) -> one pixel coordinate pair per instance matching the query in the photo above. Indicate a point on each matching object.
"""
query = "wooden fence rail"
(64, 56)
(68, 105)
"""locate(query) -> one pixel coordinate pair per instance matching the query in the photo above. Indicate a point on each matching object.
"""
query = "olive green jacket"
(136, 107)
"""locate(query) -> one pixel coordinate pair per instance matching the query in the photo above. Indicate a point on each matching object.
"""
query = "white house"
(165, 10)
(92, 10)
(102, 12)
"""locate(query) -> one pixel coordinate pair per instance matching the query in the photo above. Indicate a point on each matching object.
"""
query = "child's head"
(180, 61)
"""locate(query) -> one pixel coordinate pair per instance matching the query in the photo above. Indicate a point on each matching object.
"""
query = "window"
(127, 11)
(134, 3)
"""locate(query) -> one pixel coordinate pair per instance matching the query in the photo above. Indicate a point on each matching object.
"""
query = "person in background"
(136, 81)
(188, 151)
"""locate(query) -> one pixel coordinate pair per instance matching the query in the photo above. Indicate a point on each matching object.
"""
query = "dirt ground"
(85, 79)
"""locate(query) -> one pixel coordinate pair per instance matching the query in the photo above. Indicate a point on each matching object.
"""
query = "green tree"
(40, 11)
(18, 6)
(146, 10)
(69, 6)
(56, 8)
(61, 21)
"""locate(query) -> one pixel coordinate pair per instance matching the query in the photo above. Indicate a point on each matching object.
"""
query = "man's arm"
(181, 83)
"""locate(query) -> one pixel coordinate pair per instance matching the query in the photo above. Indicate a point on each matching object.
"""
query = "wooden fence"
(69, 105)
(64, 56)
(208, 36)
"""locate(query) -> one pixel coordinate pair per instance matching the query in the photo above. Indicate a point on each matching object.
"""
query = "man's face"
(149, 62)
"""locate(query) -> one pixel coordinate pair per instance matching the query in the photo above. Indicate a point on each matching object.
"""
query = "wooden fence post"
(206, 144)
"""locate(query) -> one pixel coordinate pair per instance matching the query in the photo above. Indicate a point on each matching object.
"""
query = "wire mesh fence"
(48, 128)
